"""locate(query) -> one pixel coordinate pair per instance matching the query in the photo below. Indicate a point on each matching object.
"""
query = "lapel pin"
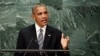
(49, 35)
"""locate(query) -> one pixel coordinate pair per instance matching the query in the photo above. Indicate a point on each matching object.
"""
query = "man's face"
(41, 15)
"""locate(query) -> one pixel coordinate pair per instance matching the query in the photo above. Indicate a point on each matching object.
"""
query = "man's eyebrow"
(39, 13)
(46, 12)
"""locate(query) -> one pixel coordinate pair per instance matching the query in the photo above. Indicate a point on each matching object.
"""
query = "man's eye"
(45, 12)
(39, 13)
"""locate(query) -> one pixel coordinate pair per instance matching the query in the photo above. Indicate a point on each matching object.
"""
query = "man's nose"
(43, 15)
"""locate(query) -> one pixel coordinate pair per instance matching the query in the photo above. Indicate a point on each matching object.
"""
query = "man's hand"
(64, 41)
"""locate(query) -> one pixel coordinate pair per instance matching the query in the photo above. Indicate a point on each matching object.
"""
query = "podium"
(30, 50)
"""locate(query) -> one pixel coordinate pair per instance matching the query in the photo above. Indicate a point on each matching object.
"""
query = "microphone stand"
(28, 46)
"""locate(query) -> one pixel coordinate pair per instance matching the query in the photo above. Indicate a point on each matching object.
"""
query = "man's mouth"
(44, 21)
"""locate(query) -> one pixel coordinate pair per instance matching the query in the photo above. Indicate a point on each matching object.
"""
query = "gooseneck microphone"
(45, 53)
(28, 46)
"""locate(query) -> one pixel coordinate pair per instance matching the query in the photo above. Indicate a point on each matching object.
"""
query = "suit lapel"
(33, 34)
(47, 38)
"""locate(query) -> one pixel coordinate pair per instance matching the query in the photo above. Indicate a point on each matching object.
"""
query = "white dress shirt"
(38, 30)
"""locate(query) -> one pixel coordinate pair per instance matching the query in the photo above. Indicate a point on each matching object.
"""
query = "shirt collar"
(38, 28)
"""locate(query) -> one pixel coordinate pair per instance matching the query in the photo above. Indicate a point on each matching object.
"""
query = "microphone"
(28, 46)
(45, 53)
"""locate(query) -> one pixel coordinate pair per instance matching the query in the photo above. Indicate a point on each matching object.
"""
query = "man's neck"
(39, 25)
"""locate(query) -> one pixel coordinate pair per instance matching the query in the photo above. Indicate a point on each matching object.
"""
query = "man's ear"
(33, 16)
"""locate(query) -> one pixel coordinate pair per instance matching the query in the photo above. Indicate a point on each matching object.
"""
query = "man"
(41, 36)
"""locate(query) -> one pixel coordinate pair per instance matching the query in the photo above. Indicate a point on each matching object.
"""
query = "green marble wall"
(79, 19)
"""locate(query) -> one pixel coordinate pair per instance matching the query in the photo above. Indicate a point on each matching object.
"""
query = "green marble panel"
(79, 19)
(56, 4)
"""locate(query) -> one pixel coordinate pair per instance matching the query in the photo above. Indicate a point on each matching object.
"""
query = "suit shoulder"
(54, 29)
(28, 28)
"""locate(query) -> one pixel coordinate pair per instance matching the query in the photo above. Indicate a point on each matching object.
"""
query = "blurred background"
(78, 19)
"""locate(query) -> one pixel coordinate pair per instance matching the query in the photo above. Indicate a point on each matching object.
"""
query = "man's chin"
(44, 24)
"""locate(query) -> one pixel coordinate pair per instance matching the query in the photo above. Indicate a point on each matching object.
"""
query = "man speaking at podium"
(41, 36)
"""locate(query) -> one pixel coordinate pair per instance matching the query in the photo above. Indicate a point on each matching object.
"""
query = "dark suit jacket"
(27, 39)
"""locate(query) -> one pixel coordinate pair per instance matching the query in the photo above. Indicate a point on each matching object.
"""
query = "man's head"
(40, 14)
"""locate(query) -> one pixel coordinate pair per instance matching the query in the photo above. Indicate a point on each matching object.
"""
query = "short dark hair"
(37, 5)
